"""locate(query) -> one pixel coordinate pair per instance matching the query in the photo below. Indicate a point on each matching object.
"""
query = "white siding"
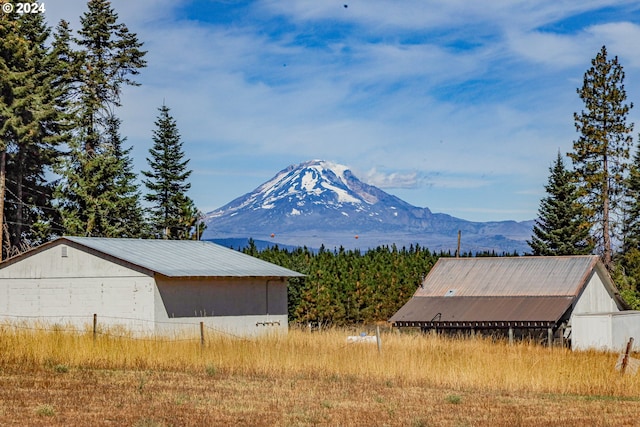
(605, 331)
(74, 301)
(51, 264)
(52, 288)
(591, 332)
(595, 298)
(238, 326)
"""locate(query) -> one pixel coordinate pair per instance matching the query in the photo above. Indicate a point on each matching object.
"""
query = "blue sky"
(458, 106)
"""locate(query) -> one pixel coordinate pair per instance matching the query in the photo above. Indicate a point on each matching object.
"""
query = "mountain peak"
(310, 179)
(322, 202)
(308, 188)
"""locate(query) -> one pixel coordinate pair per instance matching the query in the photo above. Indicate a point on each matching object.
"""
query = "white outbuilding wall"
(595, 298)
(65, 285)
(605, 331)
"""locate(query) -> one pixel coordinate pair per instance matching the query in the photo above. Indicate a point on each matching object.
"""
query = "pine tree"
(96, 194)
(562, 227)
(173, 213)
(600, 155)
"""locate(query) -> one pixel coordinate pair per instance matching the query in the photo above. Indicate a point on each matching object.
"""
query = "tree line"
(345, 287)
(59, 96)
(593, 206)
(349, 287)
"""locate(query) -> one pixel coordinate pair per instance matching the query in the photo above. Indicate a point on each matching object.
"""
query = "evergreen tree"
(11, 47)
(34, 128)
(173, 213)
(106, 201)
(631, 229)
(346, 287)
(124, 188)
(108, 58)
(600, 155)
(96, 192)
(562, 227)
(627, 274)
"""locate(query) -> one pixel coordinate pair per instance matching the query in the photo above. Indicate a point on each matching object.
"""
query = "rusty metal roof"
(509, 276)
(502, 292)
(483, 312)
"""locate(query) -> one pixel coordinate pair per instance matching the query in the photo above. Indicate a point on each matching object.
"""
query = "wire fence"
(120, 327)
(116, 327)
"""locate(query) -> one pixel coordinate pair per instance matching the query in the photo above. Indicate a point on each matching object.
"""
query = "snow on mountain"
(305, 185)
(320, 202)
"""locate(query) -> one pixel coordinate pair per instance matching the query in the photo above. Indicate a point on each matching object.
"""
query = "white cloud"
(391, 180)
(423, 95)
(621, 40)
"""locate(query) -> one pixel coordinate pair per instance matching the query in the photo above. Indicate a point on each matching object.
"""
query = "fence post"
(378, 339)
(95, 325)
(625, 359)
(202, 334)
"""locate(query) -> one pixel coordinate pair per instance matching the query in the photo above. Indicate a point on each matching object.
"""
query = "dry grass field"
(306, 379)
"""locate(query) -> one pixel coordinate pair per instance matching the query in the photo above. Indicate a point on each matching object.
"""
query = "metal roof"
(482, 312)
(499, 292)
(182, 258)
(510, 276)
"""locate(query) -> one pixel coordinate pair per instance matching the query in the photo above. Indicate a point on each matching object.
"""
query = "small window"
(450, 293)
(64, 251)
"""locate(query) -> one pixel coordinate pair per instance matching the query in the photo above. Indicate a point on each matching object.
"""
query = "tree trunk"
(606, 236)
(3, 160)
(20, 221)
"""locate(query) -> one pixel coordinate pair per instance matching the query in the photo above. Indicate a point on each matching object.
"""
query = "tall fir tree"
(600, 155)
(11, 47)
(562, 227)
(173, 213)
(35, 127)
(109, 56)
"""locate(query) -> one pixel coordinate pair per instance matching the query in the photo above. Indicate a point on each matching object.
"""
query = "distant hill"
(322, 203)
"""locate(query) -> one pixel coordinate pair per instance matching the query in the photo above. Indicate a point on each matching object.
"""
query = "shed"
(519, 296)
(148, 286)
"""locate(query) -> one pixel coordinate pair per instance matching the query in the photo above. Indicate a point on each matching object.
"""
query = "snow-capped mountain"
(320, 202)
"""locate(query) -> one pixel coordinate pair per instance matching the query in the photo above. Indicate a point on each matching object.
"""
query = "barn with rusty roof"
(147, 286)
(514, 296)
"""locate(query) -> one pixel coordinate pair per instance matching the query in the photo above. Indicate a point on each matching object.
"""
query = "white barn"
(148, 286)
